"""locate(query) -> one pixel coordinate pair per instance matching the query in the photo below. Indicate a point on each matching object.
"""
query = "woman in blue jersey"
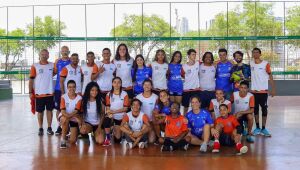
(175, 72)
(139, 73)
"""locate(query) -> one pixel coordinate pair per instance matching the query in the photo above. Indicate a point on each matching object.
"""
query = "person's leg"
(185, 102)
(257, 130)
(65, 127)
(151, 133)
(74, 132)
(117, 131)
(178, 99)
(40, 108)
(172, 98)
(194, 139)
(49, 108)
(99, 135)
(264, 108)
(86, 128)
(107, 125)
(217, 137)
(236, 136)
(167, 145)
(205, 137)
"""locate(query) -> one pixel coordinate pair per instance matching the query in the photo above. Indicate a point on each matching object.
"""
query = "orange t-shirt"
(174, 127)
(229, 123)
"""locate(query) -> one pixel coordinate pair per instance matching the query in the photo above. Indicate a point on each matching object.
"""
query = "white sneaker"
(124, 144)
(142, 145)
(129, 145)
(244, 149)
(203, 147)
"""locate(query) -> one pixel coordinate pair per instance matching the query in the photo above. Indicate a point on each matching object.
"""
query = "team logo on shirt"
(189, 71)
(41, 71)
(71, 72)
(203, 71)
(67, 105)
(178, 124)
(86, 73)
(156, 68)
(119, 65)
(229, 124)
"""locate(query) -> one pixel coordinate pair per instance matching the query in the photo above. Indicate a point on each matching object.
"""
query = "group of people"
(127, 101)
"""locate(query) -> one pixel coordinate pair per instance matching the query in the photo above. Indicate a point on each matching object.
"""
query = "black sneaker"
(49, 131)
(166, 148)
(63, 145)
(156, 142)
(41, 132)
(58, 131)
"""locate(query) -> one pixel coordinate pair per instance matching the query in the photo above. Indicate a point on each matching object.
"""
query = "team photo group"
(122, 100)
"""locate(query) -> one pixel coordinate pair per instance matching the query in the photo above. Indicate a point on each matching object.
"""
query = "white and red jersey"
(43, 82)
(159, 75)
(104, 79)
(135, 123)
(70, 105)
(242, 103)
(71, 73)
(260, 76)
(148, 104)
(207, 77)
(191, 77)
(215, 104)
(124, 71)
(87, 72)
(116, 102)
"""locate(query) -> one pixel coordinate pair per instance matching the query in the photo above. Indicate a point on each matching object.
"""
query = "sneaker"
(141, 145)
(49, 131)
(165, 148)
(124, 144)
(63, 145)
(41, 132)
(241, 149)
(256, 131)
(58, 131)
(216, 147)
(249, 139)
(245, 133)
(156, 142)
(106, 142)
(203, 147)
(265, 132)
(185, 147)
(129, 145)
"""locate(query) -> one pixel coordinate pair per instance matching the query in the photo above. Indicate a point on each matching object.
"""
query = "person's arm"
(95, 72)
(272, 83)
(63, 75)
(181, 136)
(31, 80)
(63, 107)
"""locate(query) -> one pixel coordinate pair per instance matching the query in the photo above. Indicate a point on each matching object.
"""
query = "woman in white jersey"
(92, 112)
(70, 106)
(124, 63)
(89, 70)
(148, 100)
(207, 74)
(215, 104)
(117, 103)
(159, 71)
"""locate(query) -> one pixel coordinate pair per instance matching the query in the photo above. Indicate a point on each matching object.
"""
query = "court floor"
(22, 148)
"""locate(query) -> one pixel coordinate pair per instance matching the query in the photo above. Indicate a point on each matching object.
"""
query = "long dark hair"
(135, 66)
(112, 88)
(86, 98)
(176, 52)
(118, 57)
(164, 53)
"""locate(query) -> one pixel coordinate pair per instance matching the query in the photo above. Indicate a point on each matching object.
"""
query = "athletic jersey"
(159, 75)
(135, 123)
(164, 109)
(175, 83)
(43, 82)
(214, 106)
(223, 74)
(148, 104)
(87, 72)
(58, 66)
(124, 71)
(207, 77)
(260, 76)
(245, 68)
(140, 76)
(70, 73)
(116, 102)
(242, 103)
(196, 122)
(229, 123)
(191, 77)
(70, 105)
(174, 127)
(104, 79)
(92, 116)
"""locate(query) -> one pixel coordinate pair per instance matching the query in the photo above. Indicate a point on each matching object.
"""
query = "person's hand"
(101, 69)
(237, 115)
(136, 134)
(214, 132)
(273, 92)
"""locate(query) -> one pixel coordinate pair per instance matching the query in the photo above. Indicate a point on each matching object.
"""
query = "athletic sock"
(108, 136)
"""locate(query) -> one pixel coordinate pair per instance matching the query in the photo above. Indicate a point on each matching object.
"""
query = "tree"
(293, 24)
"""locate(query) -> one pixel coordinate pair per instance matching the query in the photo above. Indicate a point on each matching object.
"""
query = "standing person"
(58, 66)
(260, 75)
(191, 85)
(175, 73)
(215, 104)
(207, 73)
(69, 117)
(89, 70)
(117, 103)
(71, 72)
(106, 71)
(124, 63)
(240, 71)
(135, 126)
(223, 74)
(139, 73)
(41, 74)
(148, 100)
(92, 112)
(159, 71)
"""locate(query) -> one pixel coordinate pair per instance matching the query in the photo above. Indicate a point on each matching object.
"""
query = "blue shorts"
(57, 96)
(175, 93)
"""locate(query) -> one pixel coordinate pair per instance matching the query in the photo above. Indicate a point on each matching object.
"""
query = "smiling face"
(219, 95)
(122, 52)
(174, 109)
(177, 58)
(256, 54)
(117, 84)
(106, 55)
(243, 89)
(135, 107)
(238, 58)
(64, 51)
(90, 58)
(223, 56)
(71, 88)
(147, 86)
(195, 103)
(140, 62)
(74, 60)
(44, 55)
(223, 111)
(94, 92)
(192, 56)
(208, 59)
(160, 57)
(163, 97)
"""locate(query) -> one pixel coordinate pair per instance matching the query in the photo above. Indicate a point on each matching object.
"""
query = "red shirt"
(174, 127)
(229, 123)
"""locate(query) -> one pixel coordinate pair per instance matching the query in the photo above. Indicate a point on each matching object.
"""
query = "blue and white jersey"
(175, 82)
(223, 74)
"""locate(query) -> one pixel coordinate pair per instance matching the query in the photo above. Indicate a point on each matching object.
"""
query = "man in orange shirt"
(227, 131)
(176, 131)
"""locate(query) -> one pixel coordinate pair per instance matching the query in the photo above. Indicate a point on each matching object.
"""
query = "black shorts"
(57, 97)
(73, 124)
(117, 122)
(206, 97)
(94, 127)
(130, 93)
(226, 140)
(186, 96)
(44, 102)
